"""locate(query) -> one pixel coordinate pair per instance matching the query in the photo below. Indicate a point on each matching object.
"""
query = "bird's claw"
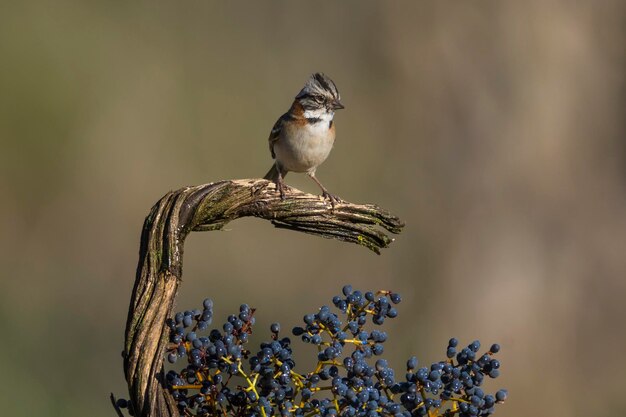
(281, 186)
(332, 198)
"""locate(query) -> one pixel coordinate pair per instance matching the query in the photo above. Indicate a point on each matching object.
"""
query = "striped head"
(320, 94)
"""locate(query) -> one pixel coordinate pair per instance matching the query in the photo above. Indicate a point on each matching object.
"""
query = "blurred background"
(495, 130)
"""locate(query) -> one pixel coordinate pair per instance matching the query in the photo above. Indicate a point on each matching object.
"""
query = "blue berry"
(395, 298)
(474, 346)
(213, 382)
(501, 395)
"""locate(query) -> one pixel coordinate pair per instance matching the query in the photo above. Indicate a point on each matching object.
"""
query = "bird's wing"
(275, 133)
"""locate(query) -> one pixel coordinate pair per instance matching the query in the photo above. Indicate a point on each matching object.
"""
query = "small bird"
(302, 138)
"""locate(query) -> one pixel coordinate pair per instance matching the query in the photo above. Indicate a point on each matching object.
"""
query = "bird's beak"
(337, 105)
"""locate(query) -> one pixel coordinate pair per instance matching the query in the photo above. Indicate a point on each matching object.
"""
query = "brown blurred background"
(494, 129)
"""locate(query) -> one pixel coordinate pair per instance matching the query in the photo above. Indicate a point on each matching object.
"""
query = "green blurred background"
(494, 129)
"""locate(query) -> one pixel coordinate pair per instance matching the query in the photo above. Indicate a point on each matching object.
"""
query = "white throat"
(322, 114)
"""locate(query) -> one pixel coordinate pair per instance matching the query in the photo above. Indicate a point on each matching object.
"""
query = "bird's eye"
(318, 99)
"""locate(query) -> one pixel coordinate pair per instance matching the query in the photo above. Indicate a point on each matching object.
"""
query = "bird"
(302, 138)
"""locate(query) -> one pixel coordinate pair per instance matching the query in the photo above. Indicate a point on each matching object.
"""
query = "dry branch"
(211, 207)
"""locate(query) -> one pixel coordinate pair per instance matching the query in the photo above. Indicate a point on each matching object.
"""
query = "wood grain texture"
(211, 207)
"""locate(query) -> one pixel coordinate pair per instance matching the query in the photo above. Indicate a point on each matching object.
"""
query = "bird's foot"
(281, 187)
(332, 198)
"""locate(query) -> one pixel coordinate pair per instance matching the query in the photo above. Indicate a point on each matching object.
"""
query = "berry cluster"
(222, 377)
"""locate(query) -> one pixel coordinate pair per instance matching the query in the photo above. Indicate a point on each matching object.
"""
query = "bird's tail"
(272, 174)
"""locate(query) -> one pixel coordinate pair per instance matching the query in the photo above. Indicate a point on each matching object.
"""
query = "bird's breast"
(304, 146)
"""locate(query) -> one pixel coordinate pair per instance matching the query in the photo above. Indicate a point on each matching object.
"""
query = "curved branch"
(211, 207)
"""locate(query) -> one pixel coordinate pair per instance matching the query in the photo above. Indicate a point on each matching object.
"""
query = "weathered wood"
(211, 207)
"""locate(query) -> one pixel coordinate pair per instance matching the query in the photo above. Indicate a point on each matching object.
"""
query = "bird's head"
(320, 94)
